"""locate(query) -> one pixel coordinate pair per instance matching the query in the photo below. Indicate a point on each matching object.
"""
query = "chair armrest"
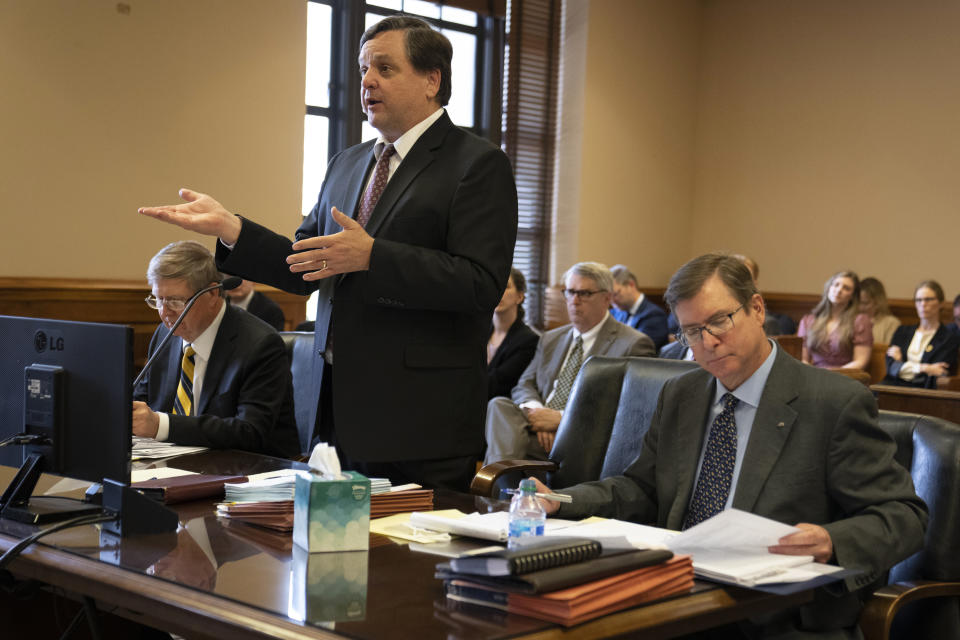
(485, 482)
(880, 609)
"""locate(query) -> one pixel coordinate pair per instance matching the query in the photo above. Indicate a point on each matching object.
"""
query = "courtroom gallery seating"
(610, 409)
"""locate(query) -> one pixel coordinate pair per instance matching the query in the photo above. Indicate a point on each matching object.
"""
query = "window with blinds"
(531, 70)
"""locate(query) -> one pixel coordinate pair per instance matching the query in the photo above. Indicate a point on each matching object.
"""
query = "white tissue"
(324, 461)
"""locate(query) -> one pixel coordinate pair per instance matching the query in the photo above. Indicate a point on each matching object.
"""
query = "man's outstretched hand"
(201, 214)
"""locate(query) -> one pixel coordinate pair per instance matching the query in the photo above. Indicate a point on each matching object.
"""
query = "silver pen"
(553, 497)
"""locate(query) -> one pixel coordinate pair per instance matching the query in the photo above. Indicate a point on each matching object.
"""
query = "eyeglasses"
(583, 294)
(718, 326)
(171, 304)
(924, 300)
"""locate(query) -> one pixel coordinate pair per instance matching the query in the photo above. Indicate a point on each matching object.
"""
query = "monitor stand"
(21, 505)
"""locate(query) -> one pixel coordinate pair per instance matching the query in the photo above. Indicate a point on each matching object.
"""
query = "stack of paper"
(379, 485)
(264, 487)
(400, 499)
(577, 592)
(275, 515)
(142, 448)
(267, 499)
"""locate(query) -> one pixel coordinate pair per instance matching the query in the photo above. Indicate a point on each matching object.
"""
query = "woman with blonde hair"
(836, 335)
(873, 302)
(921, 352)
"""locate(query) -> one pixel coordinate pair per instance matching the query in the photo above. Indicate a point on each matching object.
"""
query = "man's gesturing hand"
(342, 252)
(201, 214)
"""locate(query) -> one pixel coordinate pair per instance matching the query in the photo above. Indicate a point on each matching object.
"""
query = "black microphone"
(226, 285)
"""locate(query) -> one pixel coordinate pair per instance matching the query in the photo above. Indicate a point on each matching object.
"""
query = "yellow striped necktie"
(183, 403)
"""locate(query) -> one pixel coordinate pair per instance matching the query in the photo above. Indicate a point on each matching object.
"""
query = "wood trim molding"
(112, 301)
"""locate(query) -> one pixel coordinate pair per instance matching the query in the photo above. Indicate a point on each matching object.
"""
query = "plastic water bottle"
(527, 517)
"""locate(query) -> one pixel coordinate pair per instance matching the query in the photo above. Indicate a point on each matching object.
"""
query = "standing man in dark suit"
(257, 304)
(633, 309)
(524, 426)
(223, 381)
(758, 431)
(409, 245)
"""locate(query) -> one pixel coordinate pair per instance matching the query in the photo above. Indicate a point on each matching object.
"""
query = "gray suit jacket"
(614, 339)
(815, 455)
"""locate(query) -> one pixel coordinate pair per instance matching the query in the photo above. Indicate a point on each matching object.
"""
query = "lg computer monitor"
(70, 382)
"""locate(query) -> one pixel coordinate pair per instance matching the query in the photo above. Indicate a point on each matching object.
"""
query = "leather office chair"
(922, 599)
(300, 351)
(607, 415)
(609, 411)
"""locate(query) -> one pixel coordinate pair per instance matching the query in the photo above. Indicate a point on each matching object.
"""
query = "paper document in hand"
(638, 536)
(729, 547)
(733, 528)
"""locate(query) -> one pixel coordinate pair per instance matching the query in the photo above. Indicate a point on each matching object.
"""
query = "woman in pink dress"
(836, 335)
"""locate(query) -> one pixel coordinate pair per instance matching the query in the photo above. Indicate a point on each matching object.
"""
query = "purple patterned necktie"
(371, 196)
(716, 471)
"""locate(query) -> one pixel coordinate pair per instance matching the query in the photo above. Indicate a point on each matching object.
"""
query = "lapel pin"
(929, 348)
(780, 424)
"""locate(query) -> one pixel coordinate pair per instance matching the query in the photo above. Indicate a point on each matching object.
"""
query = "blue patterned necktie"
(716, 472)
(183, 402)
(567, 376)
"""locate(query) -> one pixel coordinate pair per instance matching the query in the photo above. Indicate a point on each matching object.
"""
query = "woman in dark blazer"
(920, 353)
(512, 343)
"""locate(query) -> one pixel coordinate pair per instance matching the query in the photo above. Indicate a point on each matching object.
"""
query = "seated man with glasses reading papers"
(756, 430)
(223, 381)
(524, 426)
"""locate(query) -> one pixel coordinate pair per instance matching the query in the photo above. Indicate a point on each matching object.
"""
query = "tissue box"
(331, 515)
(328, 587)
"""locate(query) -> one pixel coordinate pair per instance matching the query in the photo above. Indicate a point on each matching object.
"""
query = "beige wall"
(819, 135)
(814, 135)
(635, 191)
(828, 138)
(102, 111)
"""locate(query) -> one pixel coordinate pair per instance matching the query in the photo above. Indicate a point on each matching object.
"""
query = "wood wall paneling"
(111, 301)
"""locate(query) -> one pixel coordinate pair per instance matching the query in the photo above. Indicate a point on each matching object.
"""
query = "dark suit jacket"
(649, 319)
(614, 339)
(942, 348)
(246, 401)
(512, 357)
(410, 333)
(673, 351)
(267, 310)
(815, 455)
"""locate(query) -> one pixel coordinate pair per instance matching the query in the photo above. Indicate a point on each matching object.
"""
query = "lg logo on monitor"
(42, 341)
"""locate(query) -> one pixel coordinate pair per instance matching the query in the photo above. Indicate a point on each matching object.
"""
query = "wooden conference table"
(215, 579)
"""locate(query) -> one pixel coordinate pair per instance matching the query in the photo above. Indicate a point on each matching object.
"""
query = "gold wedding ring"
(324, 267)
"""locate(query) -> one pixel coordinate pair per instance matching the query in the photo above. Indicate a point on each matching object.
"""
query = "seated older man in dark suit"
(224, 379)
(525, 425)
(756, 430)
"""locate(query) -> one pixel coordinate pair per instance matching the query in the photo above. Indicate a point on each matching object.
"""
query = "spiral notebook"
(531, 554)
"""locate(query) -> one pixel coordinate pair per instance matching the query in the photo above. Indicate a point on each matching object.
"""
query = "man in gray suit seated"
(524, 427)
(756, 430)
